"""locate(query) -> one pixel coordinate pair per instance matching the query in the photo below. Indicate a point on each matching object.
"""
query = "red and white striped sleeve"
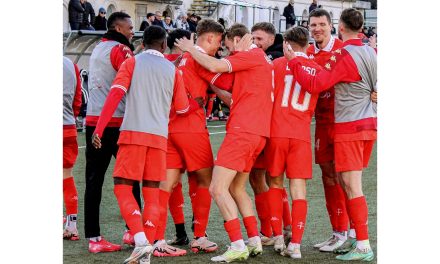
(77, 100)
(119, 54)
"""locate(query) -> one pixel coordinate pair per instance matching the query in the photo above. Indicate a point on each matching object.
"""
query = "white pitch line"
(80, 147)
(217, 126)
(214, 133)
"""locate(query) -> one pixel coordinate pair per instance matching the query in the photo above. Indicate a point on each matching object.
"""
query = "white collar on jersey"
(301, 54)
(200, 49)
(153, 52)
(327, 48)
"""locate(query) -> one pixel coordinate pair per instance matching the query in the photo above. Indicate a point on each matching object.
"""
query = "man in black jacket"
(76, 13)
(89, 12)
(100, 20)
(148, 22)
(289, 13)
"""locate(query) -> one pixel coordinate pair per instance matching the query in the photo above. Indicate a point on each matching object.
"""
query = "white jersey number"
(295, 97)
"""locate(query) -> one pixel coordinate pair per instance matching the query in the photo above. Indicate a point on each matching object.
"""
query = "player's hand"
(177, 61)
(200, 101)
(372, 41)
(288, 51)
(96, 141)
(185, 44)
(373, 97)
(244, 43)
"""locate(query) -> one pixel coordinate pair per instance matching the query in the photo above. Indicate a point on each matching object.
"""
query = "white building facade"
(247, 12)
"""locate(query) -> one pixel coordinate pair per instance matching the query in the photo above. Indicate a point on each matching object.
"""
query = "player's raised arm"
(208, 62)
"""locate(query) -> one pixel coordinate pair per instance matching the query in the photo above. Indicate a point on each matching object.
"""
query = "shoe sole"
(200, 250)
(131, 259)
(164, 255)
(105, 250)
(369, 258)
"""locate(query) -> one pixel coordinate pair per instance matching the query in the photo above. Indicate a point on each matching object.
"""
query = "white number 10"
(297, 90)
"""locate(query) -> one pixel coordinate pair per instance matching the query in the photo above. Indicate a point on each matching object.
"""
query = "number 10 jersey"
(293, 107)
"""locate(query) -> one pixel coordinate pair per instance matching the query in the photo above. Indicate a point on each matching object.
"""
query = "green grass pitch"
(112, 226)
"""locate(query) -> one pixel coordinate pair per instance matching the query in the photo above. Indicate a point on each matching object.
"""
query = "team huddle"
(147, 110)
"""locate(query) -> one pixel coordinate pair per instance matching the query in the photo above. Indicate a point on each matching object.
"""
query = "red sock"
(164, 196)
(176, 203)
(234, 230)
(192, 189)
(129, 208)
(202, 206)
(263, 211)
(286, 210)
(341, 213)
(275, 199)
(210, 106)
(330, 203)
(358, 210)
(151, 213)
(350, 220)
(251, 225)
(299, 215)
(70, 196)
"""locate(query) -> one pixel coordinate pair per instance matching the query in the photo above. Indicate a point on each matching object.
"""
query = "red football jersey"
(293, 107)
(324, 113)
(197, 80)
(251, 104)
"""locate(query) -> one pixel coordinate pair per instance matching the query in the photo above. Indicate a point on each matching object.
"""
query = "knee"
(215, 191)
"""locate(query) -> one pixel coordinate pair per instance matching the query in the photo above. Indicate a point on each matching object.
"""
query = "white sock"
(140, 239)
(95, 239)
(363, 244)
(238, 245)
(352, 233)
(71, 222)
(254, 240)
(340, 235)
(292, 246)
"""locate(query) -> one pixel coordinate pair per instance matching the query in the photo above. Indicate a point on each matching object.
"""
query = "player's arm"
(119, 88)
(119, 54)
(78, 92)
(339, 68)
(225, 96)
(182, 104)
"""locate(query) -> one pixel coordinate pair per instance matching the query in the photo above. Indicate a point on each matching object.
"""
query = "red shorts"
(289, 155)
(324, 148)
(136, 162)
(239, 151)
(260, 162)
(353, 151)
(70, 152)
(190, 151)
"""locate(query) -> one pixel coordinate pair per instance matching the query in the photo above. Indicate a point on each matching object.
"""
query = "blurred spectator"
(198, 19)
(333, 30)
(76, 14)
(222, 22)
(313, 6)
(100, 20)
(148, 22)
(158, 19)
(168, 24)
(182, 22)
(192, 23)
(305, 24)
(289, 13)
(89, 16)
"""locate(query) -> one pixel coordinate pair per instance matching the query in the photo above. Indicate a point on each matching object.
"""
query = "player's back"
(293, 107)
(251, 104)
(148, 100)
(195, 86)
